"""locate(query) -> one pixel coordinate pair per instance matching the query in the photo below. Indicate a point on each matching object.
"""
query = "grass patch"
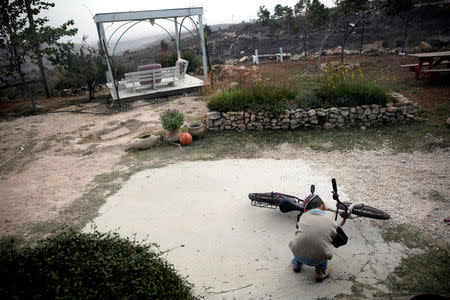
(422, 273)
(437, 196)
(408, 235)
(21, 159)
(426, 272)
(360, 291)
(75, 265)
(131, 125)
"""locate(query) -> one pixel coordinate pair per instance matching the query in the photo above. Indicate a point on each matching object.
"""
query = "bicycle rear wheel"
(370, 212)
(269, 200)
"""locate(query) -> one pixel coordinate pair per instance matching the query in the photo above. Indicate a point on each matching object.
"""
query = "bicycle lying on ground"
(288, 203)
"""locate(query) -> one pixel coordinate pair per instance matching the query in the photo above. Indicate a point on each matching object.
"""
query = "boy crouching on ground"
(314, 240)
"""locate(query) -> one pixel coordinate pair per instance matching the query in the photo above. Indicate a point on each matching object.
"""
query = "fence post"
(256, 57)
(281, 54)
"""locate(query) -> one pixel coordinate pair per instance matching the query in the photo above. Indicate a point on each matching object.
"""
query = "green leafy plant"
(73, 265)
(171, 119)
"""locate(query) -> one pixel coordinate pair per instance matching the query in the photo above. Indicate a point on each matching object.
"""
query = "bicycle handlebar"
(333, 182)
(345, 213)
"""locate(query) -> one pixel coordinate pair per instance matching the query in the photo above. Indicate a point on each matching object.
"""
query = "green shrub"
(258, 98)
(74, 265)
(195, 61)
(217, 61)
(345, 86)
(345, 94)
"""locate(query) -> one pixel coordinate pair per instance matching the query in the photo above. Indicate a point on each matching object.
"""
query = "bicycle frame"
(346, 214)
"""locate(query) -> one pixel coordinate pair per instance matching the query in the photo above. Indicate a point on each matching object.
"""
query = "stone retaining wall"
(366, 115)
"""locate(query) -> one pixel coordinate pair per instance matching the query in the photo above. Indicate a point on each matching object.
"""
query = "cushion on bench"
(149, 67)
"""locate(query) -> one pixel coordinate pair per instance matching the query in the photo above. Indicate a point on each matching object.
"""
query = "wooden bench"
(414, 65)
(424, 64)
(435, 70)
(151, 78)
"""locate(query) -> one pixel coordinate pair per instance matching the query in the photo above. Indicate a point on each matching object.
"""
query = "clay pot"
(196, 129)
(173, 135)
(145, 142)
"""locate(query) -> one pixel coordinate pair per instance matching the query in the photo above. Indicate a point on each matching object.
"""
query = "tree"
(164, 46)
(83, 68)
(276, 20)
(34, 41)
(263, 15)
(309, 15)
(399, 8)
(352, 13)
(283, 13)
(207, 30)
(44, 39)
(13, 42)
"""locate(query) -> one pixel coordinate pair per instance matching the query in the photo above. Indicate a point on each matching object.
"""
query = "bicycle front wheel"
(370, 212)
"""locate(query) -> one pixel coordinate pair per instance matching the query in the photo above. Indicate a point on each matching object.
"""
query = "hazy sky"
(215, 12)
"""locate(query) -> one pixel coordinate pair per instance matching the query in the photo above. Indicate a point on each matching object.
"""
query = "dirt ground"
(63, 153)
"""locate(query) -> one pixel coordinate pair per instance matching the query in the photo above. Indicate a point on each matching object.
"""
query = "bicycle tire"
(268, 198)
(370, 212)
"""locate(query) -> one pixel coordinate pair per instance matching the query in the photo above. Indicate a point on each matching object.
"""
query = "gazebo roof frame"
(149, 15)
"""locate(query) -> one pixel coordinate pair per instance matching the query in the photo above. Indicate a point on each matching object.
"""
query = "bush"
(259, 98)
(345, 94)
(195, 61)
(345, 87)
(217, 61)
(74, 265)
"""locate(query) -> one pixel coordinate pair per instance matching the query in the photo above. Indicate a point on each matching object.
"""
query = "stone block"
(334, 110)
(213, 115)
(334, 116)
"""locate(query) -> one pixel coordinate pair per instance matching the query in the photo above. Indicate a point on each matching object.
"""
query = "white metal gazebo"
(152, 80)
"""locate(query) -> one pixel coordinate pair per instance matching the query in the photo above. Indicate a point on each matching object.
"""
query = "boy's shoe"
(320, 275)
(296, 268)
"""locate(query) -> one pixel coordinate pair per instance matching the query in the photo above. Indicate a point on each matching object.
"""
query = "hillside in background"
(428, 23)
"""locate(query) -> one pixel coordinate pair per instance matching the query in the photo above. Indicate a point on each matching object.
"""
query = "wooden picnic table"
(430, 60)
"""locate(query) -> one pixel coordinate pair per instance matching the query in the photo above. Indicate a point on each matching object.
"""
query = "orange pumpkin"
(185, 139)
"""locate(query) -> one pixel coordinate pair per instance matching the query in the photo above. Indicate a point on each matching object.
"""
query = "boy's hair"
(315, 202)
